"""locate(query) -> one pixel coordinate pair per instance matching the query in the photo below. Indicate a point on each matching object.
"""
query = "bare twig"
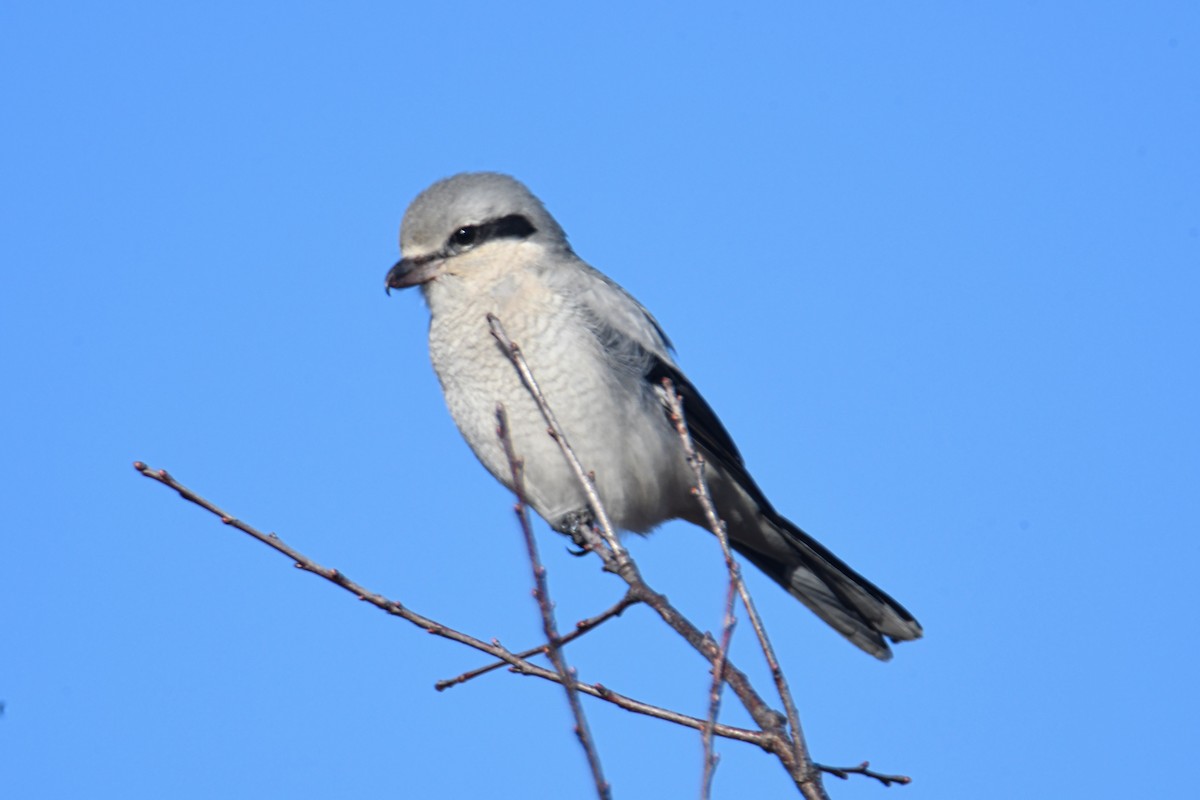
(515, 663)
(541, 592)
(763, 740)
(808, 772)
(714, 696)
(337, 578)
(581, 627)
(714, 693)
(861, 769)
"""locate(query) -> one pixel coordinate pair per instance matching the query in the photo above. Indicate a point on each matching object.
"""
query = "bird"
(480, 244)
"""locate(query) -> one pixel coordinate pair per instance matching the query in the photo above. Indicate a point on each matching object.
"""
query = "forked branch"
(784, 741)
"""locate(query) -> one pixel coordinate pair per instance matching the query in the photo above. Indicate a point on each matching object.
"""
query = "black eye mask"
(514, 226)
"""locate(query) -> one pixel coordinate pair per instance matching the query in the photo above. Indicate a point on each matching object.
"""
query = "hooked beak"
(411, 272)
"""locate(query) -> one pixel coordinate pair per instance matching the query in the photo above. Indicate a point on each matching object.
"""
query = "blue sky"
(936, 265)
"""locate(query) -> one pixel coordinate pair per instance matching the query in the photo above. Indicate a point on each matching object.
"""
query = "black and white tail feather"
(848, 602)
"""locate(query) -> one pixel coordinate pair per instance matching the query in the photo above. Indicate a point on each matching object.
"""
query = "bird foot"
(574, 524)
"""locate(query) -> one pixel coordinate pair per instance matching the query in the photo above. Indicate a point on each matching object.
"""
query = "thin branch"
(541, 592)
(714, 696)
(581, 627)
(704, 496)
(845, 772)
(303, 562)
(515, 662)
(763, 740)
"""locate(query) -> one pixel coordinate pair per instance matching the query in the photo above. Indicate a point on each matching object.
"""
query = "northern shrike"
(481, 243)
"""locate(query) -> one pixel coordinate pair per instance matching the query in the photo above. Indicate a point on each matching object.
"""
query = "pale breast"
(611, 418)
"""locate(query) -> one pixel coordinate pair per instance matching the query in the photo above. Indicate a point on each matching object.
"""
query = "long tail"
(851, 604)
(855, 607)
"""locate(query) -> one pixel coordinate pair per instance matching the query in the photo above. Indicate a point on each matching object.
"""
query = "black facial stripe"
(514, 226)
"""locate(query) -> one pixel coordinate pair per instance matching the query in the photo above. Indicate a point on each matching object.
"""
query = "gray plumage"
(481, 243)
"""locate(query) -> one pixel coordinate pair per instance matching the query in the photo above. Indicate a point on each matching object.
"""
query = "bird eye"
(464, 237)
